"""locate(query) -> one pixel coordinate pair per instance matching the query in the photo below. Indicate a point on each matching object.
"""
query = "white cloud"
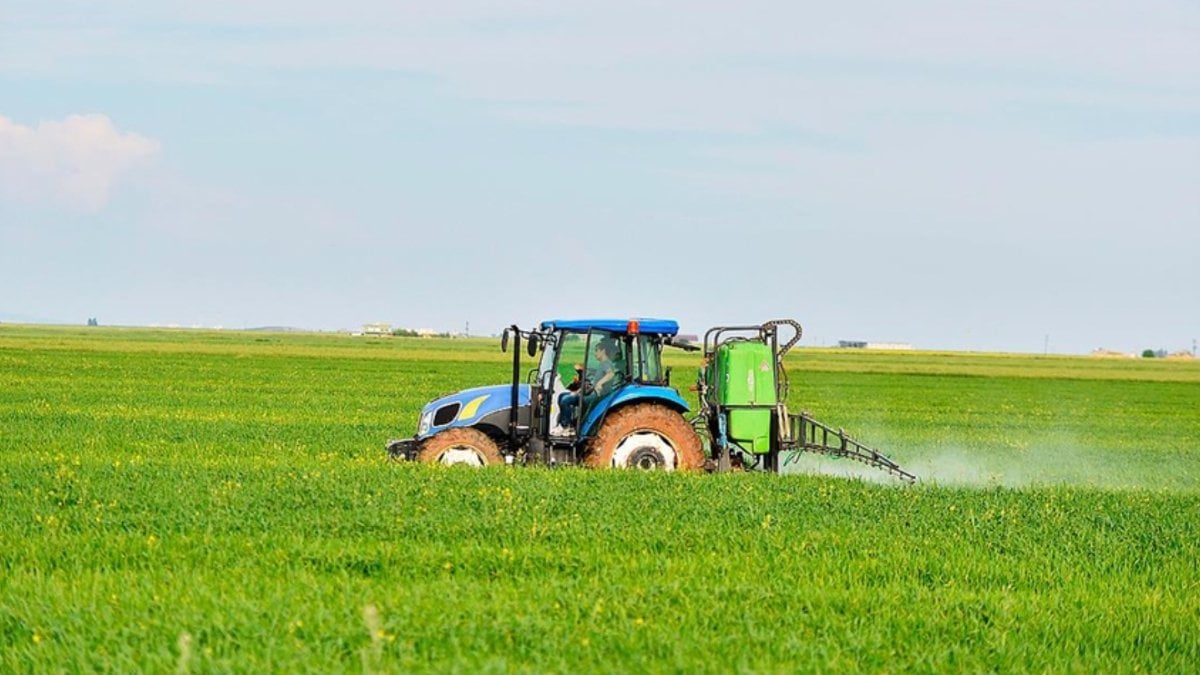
(73, 163)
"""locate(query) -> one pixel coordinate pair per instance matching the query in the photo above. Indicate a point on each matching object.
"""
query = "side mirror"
(504, 341)
(532, 346)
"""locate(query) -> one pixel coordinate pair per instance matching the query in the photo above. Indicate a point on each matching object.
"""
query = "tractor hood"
(468, 407)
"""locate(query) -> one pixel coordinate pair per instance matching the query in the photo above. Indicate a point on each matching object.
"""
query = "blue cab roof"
(645, 326)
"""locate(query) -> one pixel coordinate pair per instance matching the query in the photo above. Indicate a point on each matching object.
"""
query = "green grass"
(230, 487)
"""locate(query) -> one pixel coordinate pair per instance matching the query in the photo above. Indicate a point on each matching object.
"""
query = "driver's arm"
(602, 383)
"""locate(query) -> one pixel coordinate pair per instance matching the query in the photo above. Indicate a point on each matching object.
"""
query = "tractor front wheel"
(646, 436)
(469, 447)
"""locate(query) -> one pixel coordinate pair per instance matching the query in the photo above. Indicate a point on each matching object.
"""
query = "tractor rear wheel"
(469, 447)
(646, 436)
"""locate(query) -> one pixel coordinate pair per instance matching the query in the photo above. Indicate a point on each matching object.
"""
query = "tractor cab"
(588, 365)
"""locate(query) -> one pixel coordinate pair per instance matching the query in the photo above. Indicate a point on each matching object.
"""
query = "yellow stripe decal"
(468, 411)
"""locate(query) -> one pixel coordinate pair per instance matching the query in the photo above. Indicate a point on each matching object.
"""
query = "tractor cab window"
(572, 352)
(606, 367)
(560, 378)
(601, 372)
(646, 361)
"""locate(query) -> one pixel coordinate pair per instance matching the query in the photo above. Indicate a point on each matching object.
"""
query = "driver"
(602, 379)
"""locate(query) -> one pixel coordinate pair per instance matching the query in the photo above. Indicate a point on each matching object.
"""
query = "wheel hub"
(645, 450)
(647, 459)
(461, 454)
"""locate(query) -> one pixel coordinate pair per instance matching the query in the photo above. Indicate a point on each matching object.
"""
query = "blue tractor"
(600, 397)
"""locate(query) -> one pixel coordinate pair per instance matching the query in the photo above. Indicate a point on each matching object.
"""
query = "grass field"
(218, 501)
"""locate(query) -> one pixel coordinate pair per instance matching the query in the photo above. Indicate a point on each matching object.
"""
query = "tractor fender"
(634, 393)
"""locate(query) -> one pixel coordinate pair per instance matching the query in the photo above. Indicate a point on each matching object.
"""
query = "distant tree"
(1148, 354)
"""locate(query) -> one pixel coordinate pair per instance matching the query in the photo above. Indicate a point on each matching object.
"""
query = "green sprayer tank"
(744, 371)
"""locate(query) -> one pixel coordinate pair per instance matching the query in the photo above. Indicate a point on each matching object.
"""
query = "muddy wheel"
(470, 447)
(646, 436)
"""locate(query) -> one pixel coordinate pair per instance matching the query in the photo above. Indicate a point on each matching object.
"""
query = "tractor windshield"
(559, 374)
(572, 352)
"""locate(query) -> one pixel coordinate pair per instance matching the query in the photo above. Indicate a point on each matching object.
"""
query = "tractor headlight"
(423, 425)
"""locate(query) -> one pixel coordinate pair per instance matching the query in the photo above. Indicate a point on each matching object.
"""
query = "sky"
(1015, 176)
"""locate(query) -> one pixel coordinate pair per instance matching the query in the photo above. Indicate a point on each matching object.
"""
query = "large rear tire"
(646, 436)
(470, 447)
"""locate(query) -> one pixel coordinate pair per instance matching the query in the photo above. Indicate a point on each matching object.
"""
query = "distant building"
(377, 329)
(1110, 354)
(862, 344)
